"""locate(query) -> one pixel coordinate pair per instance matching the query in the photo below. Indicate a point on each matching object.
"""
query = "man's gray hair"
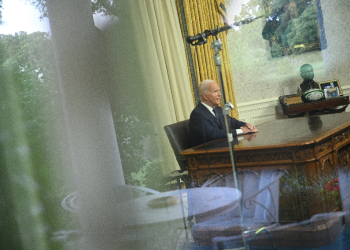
(203, 87)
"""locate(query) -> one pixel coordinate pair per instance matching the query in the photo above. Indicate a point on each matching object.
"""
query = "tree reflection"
(106, 7)
(293, 30)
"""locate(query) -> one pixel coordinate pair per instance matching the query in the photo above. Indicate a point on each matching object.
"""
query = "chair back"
(177, 134)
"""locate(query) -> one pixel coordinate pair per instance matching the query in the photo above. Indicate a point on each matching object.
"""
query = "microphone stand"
(217, 46)
(200, 39)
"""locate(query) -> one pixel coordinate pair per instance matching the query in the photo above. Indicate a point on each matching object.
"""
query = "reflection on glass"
(74, 101)
(315, 123)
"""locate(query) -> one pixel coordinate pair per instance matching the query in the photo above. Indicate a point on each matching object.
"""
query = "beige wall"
(261, 79)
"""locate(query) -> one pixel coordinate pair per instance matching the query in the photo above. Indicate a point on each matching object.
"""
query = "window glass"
(90, 95)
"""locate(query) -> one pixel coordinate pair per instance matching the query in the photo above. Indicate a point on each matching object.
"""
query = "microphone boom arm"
(200, 38)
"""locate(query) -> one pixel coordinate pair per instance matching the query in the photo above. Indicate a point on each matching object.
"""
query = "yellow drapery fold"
(222, 9)
(196, 16)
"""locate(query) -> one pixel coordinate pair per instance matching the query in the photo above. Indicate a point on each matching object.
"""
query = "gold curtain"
(196, 16)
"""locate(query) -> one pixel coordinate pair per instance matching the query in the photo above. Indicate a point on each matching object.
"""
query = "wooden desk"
(308, 148)
(317, 108)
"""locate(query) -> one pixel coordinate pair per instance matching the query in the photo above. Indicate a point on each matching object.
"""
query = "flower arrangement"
(325, 187)
(331, 193)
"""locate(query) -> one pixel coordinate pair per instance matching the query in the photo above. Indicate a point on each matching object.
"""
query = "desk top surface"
(294, 132)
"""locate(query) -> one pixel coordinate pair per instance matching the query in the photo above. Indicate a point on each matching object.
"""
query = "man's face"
(212, 96)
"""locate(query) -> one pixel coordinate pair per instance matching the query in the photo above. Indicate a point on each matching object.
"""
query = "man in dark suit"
(207, 121)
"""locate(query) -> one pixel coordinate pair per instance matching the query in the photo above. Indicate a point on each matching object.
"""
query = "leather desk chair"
(177, 134)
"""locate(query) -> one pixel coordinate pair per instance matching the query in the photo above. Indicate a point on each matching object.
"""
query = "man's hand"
(249, 128)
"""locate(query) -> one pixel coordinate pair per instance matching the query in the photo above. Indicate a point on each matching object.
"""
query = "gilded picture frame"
(331, 84)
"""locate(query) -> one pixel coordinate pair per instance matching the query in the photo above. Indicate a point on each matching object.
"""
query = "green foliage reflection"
(134, 137)
(33, 184)
(293, 31)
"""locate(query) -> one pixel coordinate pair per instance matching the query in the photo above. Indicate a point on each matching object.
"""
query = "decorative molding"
(260, 111)
(212, 161)
(284, 156)
(323, 147)
(326, 158)
(192, 162)
(346, 89)
(342, 137)
(304, 154)
(251, 158)
(257, 105)
(343, 158)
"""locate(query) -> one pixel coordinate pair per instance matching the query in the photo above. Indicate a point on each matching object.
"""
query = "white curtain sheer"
(163, 65)
(163, 57)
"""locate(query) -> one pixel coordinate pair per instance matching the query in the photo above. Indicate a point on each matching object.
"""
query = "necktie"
(216, 116)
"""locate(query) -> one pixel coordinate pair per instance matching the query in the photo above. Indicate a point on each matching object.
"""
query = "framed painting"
(294, 27)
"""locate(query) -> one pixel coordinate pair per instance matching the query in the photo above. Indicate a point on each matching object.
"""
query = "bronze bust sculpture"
(307, 73)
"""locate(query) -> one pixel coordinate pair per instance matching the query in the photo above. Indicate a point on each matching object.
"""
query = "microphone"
(202, 36)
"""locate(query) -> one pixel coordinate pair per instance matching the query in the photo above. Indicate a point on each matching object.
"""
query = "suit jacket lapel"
(210, 115)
